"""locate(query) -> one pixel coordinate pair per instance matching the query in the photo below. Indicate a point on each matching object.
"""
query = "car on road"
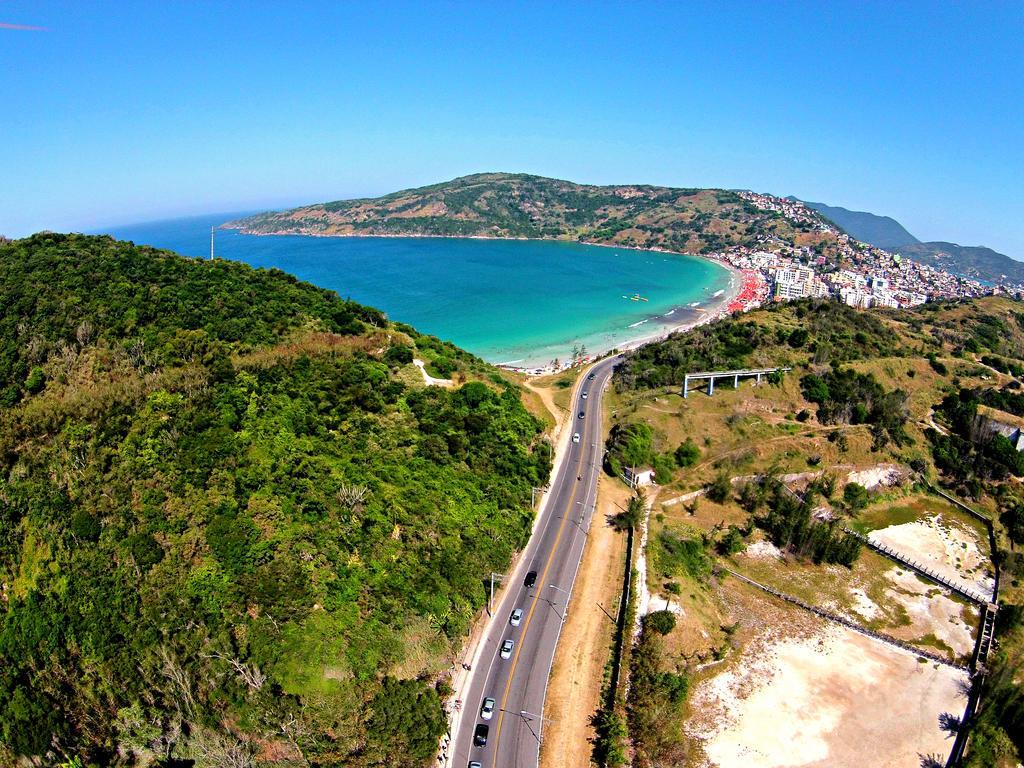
(582, 414)
(575, 437)
(475, 764)
(531, 579)
(487, 709)
(480, 735)
(516, 618)
(584, 395)
(506, 649)
(590, 377)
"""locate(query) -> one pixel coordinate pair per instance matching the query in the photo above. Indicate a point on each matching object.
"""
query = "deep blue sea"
(522, 302)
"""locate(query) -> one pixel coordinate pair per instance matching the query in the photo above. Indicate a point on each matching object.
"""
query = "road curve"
(519, 684)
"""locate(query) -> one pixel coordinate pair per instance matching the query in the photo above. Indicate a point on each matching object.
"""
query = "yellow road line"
(529, 616)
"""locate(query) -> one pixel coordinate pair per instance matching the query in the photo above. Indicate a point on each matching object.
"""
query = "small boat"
(635, 297)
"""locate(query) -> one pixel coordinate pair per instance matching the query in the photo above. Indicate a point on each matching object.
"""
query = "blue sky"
(118, 112)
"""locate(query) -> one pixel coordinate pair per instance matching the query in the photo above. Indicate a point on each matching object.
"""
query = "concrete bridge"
(734, 375)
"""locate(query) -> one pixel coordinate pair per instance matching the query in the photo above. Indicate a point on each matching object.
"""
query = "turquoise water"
(509, 301)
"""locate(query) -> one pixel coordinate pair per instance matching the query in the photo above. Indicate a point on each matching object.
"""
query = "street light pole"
(490, 600)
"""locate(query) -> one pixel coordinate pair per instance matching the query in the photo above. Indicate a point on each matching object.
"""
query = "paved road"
(518, 684)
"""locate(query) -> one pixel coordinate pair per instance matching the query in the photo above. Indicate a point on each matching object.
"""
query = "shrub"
(720, 489)
(661, 622)
(687, 454)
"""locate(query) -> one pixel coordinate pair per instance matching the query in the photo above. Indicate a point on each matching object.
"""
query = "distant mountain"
(506, 205)
(882, 231)
(971, 261)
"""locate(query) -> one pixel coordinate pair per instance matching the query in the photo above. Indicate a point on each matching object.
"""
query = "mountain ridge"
(975, 261)
(680, 219)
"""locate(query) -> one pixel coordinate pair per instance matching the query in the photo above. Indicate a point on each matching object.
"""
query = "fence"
(849, 623)
(924, 570)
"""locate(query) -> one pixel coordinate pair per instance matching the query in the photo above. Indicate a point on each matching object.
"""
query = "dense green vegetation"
(521, 205)
(788, 520)
(844, 396)
(656, 698)
(824, 332)
(228, 529)
(971, 456)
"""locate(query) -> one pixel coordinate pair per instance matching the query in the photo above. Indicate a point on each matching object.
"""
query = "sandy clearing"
(881, 475)
(863, 605)
(931, 611)
(945, 546)
(574, 690)
(818, 701)
(762, 550)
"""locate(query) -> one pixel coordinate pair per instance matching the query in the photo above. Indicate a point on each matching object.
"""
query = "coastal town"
(855, 273)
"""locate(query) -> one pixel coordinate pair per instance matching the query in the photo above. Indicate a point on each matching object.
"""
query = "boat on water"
(716, 294)
(635, 297)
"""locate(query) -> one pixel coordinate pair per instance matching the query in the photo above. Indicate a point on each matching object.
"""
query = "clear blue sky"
(124, 111)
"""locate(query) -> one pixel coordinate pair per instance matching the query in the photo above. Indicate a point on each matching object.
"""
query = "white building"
(636, 478)
(793, 282)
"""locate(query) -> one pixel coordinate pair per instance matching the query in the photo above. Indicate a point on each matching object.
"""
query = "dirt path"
(432, 381)
(547, 396)
(574, 690)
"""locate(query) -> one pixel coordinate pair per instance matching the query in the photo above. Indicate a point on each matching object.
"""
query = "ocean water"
(520, 302)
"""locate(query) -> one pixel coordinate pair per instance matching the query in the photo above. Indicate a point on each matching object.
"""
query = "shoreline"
(714, 309)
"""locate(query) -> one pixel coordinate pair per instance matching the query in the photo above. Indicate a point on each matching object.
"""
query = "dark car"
(480, 735)
(582, 414)
(531, 579)
(590, 377)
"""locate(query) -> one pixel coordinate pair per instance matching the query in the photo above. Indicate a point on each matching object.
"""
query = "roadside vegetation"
(233, 528)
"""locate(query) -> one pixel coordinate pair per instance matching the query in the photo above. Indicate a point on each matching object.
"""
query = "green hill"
(235, 528)
(935, 390)
(882, 231)
(519, 205)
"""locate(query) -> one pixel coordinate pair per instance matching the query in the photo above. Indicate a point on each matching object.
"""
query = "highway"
(519, 684)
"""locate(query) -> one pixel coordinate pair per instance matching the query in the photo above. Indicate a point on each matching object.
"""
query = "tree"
(856, 497)
(687, 454)
(720, 489)
(661, 622)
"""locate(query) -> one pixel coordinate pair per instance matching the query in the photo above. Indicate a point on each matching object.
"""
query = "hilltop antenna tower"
(212, 231)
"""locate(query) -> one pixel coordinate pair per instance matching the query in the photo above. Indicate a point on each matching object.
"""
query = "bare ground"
(806, 693)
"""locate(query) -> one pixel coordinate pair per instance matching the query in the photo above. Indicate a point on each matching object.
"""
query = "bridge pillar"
(736, 382)
(686, 386)
(758, 379)
(711, 386)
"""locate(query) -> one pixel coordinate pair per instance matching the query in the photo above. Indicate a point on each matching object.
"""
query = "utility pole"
(490, 600)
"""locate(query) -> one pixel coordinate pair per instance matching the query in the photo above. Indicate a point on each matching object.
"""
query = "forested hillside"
(233, 529)
(520, 205)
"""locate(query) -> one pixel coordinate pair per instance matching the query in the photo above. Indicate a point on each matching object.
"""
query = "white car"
(487, 710)
(584, 395)
(506, 649)
(575, 437)
(516, 618)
